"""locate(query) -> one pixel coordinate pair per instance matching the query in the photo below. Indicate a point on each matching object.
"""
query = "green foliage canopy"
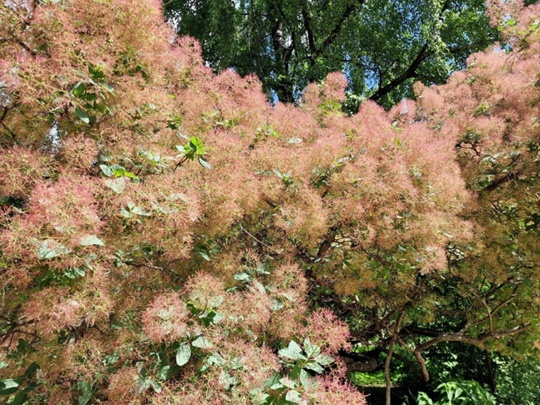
(382, 46)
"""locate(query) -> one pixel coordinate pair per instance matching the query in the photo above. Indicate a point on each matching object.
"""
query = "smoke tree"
(166, 235)
(493, 111)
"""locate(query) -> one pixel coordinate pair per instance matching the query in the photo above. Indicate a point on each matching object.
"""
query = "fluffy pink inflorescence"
(326, 331)
(66, 207)
(123, 387)
(55, 309)
(21, 168)
(166, 319)
(334, 391)
(204, 291)
(501, 10)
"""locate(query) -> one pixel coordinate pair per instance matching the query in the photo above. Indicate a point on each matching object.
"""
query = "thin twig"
(259, 241)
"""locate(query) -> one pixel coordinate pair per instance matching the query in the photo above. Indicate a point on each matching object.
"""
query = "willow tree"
(382, 46)
(166, 235)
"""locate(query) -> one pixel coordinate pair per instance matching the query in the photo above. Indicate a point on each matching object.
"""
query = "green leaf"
(89, 97)
(117, 185)
(90, 240)
(293, 396)
(311, 350)
(510, 22)
(183, 354)
(203, 252)
(242, 277)
(423, 399)
(287, 382)
(119, 171)
(86, 392)
(20, 398)
(107, 87)
(226, 380)
(259, 397)
(79, 89)
(196, 144)
(107, 171)
(9, 386)
(204, 163)
(210, 317)
(293, 351)
(141, 212)
(49, 249)
(202, 343)
(175, 122)
(304, 379)
(273, 381)
(311, 365)
(155, 386)
(31, 370)
(260, 287)
(294, 373)
(83, 116)
(213, 359)
(167, 372)
(130, 175)
(96, 73)
(215, 301)
(324, 360)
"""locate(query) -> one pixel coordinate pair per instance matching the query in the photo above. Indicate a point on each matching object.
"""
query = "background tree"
(383, 47)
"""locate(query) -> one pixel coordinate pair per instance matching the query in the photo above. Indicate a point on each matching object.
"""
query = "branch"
(362, 362)
(151, 266)
(351, 8)
(258, 240)
(409, 73)
(506, 301)
(9, 131)
(327, 242)
(491, 312)
(503, 179)
(309, 29)
(397, 325)
(419, 358)
(478, 342)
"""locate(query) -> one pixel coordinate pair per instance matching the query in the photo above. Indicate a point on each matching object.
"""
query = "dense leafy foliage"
(167, 235)
(382, 46)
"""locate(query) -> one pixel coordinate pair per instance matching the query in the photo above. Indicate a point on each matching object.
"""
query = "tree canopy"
(168, 235)
(383, 47)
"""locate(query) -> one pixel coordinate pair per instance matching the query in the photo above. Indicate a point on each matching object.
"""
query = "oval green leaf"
(183, 354)
(83, 116)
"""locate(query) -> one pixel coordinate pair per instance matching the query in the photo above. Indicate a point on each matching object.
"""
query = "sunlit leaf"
(202, 343)
(89, 240)
(83, 115)
(9, 386)
(183, 354)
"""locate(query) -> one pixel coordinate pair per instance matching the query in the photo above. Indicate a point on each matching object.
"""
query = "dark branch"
(478, 342)
(363, 362)
(327, 242)
(411, 72)
(351, 8)
(307, 25)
